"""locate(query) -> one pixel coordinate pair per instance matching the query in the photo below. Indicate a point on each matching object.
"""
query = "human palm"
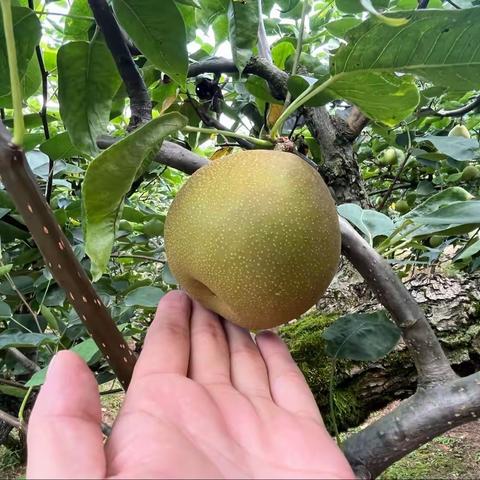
(205, 401)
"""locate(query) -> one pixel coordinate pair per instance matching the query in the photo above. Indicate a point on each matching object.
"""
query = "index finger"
(167, 344)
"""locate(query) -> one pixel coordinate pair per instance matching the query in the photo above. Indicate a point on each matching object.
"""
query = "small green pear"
(153, 228)
(254, 237)
(435, 241)
(459, 131)
(402, 206)
(469, 173)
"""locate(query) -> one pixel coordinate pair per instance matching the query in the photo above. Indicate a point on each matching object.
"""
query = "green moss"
(443, 457)
(305, 341)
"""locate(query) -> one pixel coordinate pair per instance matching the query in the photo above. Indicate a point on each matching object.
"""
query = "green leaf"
(281, 51)
(439, 45)
(354, 6)
(87, 82)
(458, 148)
(145, 297)
(339, 28)
(38, 378)
(258, 87)
(159, 32)
(167, 275)
(59, 146)
(27, 31)
(460, 213)
(361, 336)
(468, 252)
(382, 96)
(5, 310)
(87, 349)
(109, 178)
(50, 318)
(13, 391)
(243, 28)
(30, 82)
(22, 340)
(370, 222)
(77, 28)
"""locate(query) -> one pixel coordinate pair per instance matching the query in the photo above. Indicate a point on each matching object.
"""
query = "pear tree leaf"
(87, 82)
(243, 30)
(158, 30)
(109, 178)
(361, 336)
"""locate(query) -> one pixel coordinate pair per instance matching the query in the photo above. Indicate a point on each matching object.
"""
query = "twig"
(141, 257)
(25, 361)
(453, 4)
(140, 103)
(11, 420)
(214, 123)
(458, 112)
(227, 133)
(395, 180)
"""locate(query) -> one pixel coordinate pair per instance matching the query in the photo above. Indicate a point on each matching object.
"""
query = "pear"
(459, 131)
(254, 237)
(470, 172)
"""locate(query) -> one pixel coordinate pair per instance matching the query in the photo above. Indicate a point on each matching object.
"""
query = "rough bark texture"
(339, 168)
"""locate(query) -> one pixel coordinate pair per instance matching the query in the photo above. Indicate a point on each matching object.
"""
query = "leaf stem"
(18, 122)
(304, 97)
(226, 133)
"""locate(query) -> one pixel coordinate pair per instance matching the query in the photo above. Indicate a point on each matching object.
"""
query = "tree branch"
(31, 366)
(10, 420)
(395, 180)
(458, 112)
(431, 362)
(170, 154)
(415, 421)
(62, 262)
(140, 103)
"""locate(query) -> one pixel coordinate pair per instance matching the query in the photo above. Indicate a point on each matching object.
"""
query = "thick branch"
(170, 154)
(431, 362)
(276, 78)
(417, 420)
(140, 103)
(62, 262)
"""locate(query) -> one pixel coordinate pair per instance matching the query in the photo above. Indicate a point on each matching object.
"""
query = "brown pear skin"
(254, 237)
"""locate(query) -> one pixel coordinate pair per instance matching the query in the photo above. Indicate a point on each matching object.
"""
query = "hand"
(205, 401)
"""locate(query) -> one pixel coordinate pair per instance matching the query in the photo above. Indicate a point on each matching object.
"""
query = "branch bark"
(31, 366)
(62, 262)
(415, 421)
(10, 420)
(140, 103)
(458, 112)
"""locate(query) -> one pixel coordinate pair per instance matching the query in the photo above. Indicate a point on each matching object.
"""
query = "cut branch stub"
(58, 254)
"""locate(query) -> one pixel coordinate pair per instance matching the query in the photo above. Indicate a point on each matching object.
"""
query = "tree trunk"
(452, 306)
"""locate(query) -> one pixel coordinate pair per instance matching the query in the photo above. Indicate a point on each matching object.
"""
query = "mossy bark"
(452, 306)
